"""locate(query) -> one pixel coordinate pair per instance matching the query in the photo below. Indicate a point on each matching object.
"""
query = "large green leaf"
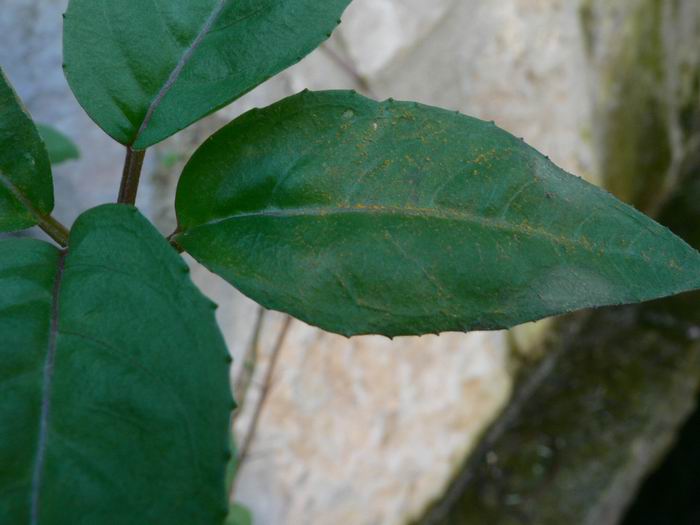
(397, 218)
(26, 187)
(145, 70)
(60, 147)
(115, 400)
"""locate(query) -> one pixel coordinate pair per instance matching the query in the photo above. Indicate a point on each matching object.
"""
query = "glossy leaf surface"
(145, 70)
(26, 187)
(397, 218)
(115, 399)
(60, 147)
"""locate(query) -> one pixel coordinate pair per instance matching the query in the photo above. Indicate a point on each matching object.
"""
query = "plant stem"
(265, 390)
(54, 229)
(171, 239)
(131, 175)
(250, 359)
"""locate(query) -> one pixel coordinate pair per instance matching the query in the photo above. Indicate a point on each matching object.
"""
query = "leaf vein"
(361, 209)
(20, 196)
(46, 391)
(179, 67)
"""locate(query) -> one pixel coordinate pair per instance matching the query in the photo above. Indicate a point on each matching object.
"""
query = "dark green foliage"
(356, 216)
(115, 399)
(145, 70)
(26, 187)
(397, 218)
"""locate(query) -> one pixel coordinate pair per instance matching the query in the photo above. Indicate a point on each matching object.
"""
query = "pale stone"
(374, 32)
(363, 430)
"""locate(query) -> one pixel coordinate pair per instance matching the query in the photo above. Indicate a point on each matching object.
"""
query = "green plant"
(357, 216)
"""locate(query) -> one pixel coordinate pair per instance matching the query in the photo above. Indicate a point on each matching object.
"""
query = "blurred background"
(586, 419)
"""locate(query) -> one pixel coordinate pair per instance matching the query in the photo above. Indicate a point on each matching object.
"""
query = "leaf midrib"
(430, 213)
(47, 379)
(21, 197)
(179, 67)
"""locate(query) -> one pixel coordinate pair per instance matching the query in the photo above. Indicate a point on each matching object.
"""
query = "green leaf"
(239, 515)
(397, 218)
(60, 147)
(115, 397)
(26, 186)
(145, 70)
